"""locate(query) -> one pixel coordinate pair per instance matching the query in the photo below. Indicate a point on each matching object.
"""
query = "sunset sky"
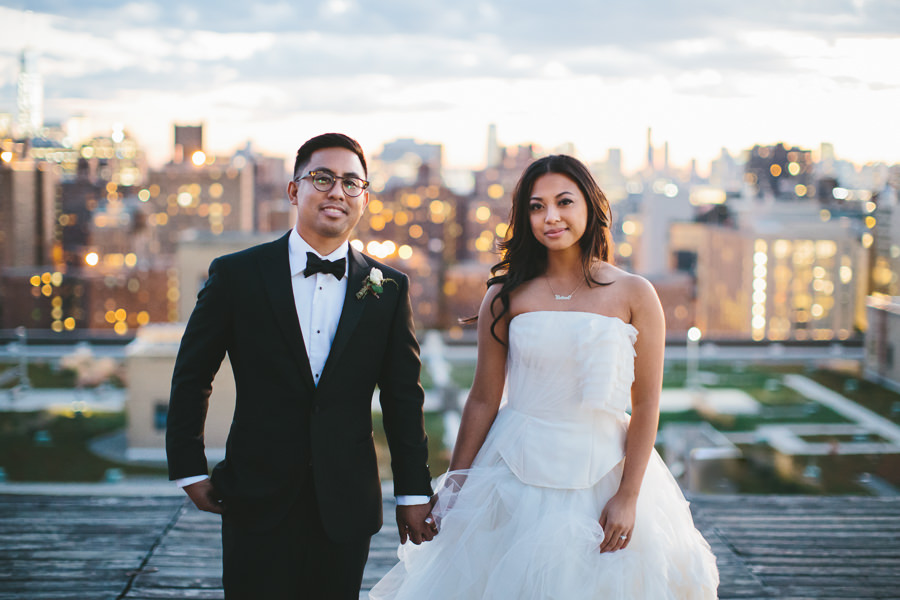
(704, 74)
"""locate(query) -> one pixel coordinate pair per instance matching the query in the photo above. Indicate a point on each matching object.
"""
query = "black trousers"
(295, 560)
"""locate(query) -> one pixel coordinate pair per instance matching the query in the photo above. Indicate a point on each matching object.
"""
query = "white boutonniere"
(374, 283)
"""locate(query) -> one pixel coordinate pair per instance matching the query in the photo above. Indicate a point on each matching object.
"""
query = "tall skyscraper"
(493, 148)
(827, 160)
(188, 140)
(614, 160)
(649, 148)
(27, 213)
(30, 96)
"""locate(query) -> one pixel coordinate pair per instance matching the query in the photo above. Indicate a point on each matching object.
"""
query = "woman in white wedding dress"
(554, 490)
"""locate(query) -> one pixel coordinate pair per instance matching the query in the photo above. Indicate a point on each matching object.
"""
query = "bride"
(554, 489)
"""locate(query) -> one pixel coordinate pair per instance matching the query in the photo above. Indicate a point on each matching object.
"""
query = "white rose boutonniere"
(374, 283)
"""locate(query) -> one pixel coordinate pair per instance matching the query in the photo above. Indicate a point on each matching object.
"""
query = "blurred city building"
(88, 234)
(610, 177)
(28, 198)
(487, 213)
(782, 273)
(726, 173)
(418, 230)
(198, 191)
(118, 298)
(188, 142)
(662, 203)
(783, 252)
(272, 209)
(882, 341)
(148, 368)
(407, 163)
(883, 312)
(884, 225)
(778, 172)
(677, 294)
(196, 249)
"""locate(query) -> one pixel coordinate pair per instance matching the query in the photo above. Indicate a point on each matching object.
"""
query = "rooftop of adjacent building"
(139, 540)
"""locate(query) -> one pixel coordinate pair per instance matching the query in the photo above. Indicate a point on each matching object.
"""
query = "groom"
(309, 333)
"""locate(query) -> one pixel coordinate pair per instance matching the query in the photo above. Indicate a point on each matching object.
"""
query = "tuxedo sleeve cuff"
(186, 481)
(412, 500)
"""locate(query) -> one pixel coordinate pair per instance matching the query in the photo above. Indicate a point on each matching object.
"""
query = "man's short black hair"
(328, 140)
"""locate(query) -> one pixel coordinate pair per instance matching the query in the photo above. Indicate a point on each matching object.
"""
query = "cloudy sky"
(704, 74)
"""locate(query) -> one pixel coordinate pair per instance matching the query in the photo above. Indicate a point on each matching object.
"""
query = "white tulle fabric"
(522, 522)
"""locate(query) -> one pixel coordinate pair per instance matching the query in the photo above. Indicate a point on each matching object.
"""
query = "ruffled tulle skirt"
(502, 539)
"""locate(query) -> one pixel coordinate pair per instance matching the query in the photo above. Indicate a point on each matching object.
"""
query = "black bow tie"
(314, 265)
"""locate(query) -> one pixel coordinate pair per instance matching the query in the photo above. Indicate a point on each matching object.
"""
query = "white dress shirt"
(319, 301)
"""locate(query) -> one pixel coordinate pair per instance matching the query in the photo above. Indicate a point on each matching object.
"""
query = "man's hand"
(415, 523)
(204, 497)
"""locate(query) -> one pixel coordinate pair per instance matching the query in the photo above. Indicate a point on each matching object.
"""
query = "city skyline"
(702, 76)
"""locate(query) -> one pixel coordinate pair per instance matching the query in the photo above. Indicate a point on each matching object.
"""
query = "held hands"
(617, 521)
(204, 497)
(415, 523)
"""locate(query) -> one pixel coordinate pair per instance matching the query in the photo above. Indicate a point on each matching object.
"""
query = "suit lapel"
(352, 310)
(276, 270)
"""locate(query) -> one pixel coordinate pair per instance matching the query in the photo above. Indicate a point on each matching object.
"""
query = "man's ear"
(292, 192)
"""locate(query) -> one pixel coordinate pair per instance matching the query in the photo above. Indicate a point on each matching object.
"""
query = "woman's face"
(558, 211)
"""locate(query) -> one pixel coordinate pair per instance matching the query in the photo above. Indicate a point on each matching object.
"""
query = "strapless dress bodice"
(569, 377)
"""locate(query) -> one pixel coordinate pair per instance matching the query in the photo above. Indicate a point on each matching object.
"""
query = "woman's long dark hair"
(523, 257)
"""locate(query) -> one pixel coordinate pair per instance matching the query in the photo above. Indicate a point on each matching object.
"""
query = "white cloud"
(210, 45)
(336, 8)
(283, 13)
(138, 12)
(187, 16)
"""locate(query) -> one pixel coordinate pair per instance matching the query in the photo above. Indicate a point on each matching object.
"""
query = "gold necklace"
(560, 296)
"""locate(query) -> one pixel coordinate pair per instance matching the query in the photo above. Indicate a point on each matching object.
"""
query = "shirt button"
(320, 287)
(318, 331)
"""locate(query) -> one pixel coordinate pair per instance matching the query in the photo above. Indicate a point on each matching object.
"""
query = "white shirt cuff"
(412, 500)
(186, 481)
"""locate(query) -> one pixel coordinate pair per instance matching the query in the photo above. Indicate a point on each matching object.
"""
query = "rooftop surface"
(102, 546)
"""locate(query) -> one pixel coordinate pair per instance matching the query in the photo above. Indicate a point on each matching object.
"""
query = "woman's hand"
(617, 521)
(446, 495)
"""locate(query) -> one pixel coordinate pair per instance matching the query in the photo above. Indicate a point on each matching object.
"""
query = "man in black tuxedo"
(310, 333)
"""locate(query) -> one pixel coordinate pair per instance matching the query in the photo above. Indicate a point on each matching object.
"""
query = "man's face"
(326, 219)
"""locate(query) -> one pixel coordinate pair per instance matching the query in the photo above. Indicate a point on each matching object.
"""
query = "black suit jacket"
(285, 429)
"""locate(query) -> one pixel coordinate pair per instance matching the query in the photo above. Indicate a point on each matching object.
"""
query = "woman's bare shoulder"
(609, 273)
(638, 293)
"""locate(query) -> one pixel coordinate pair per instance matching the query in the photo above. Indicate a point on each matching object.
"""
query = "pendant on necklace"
(560, 296)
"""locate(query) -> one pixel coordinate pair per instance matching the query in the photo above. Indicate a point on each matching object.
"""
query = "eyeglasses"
(324, 181)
